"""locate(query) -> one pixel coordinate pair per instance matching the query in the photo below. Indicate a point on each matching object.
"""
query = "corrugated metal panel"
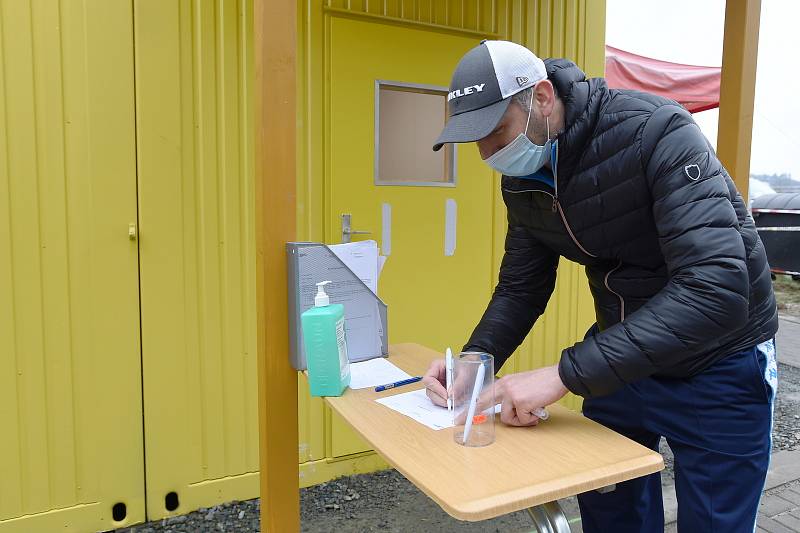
(312, 414)
(481, 16)
(195, 158)
(70, 393)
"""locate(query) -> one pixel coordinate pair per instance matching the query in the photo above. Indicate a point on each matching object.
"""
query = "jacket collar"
(583, 100)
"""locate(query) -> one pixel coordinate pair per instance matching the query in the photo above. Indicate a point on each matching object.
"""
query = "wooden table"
(525, 467)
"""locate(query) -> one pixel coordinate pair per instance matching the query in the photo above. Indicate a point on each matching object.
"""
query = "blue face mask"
(521, 157)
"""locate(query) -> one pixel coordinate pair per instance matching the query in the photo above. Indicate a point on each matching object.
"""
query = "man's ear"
(545, 97)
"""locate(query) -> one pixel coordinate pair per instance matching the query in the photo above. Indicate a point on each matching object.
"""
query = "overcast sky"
(690, 31)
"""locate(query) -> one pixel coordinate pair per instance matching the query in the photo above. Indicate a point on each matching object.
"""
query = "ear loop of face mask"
(527, 122)
(530, 109)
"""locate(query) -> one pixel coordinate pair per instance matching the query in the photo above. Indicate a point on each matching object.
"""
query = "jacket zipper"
(557, 207)
(612, 291)
(554, 158)
(557, 204)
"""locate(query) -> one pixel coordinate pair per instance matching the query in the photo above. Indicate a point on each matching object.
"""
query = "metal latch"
(347, 230)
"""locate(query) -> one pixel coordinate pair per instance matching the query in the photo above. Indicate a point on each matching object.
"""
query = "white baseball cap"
(483, 83)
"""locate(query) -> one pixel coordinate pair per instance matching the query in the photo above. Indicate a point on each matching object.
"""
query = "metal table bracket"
(549, 518)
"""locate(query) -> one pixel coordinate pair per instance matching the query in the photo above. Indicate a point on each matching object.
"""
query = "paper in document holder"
(365, 313)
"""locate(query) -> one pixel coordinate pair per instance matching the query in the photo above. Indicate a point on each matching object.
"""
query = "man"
(624, 183)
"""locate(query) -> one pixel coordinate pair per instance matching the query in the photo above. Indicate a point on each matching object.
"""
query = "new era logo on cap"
(483, 81)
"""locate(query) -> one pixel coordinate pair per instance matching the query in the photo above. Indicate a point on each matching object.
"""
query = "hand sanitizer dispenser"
(326, 347)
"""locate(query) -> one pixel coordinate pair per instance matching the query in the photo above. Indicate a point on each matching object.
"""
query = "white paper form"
(417, 405)
(363, 260)
(375, 372)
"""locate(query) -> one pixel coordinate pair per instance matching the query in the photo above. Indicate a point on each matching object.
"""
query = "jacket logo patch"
(692, 172)
(522, 80)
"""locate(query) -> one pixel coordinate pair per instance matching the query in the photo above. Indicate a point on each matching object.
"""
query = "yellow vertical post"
(275, 148)
(737, 89)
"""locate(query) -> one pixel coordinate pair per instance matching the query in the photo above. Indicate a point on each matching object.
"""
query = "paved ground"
(387, 502)
(780, 505)
(780, 510)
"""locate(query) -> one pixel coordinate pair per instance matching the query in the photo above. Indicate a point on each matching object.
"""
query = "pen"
(541, 413)
(408, 381)
(473, 401)
(448, 368)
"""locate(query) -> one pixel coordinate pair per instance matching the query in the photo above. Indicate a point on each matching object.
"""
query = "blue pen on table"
(388, 386)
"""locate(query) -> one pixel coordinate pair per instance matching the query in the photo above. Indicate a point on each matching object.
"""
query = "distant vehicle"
(777, 218)
(760, 188)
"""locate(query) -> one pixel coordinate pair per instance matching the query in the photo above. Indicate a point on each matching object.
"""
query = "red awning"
(694, 87)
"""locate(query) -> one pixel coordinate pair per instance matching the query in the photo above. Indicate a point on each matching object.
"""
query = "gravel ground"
(787, 292)
(387, 502)
(232, 517)
(380, 502)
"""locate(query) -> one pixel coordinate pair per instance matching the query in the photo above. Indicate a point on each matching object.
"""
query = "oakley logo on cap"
(458, 93)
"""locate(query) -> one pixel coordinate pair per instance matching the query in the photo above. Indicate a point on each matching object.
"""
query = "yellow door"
(71, 455)
(437, 227)
(197, 252)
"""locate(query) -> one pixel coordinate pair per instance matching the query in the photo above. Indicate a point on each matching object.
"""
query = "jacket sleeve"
(698, 231)
(527, 278)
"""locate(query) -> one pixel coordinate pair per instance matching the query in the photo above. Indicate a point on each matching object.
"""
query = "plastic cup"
(480, 432)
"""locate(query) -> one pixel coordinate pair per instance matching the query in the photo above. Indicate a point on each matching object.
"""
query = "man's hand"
(522, 393)
(435, 381)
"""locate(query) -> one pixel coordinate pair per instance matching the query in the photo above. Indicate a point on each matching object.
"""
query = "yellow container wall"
(70, 390)
(195, 162)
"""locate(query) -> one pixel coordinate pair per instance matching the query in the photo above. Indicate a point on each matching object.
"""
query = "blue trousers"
(717, 423)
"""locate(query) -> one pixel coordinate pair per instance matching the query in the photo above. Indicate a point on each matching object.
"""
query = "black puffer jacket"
(677, 271)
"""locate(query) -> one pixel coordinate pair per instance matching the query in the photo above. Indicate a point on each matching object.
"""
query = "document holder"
(365, 313)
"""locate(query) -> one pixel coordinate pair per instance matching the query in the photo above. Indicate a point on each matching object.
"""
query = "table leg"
(549, 518)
